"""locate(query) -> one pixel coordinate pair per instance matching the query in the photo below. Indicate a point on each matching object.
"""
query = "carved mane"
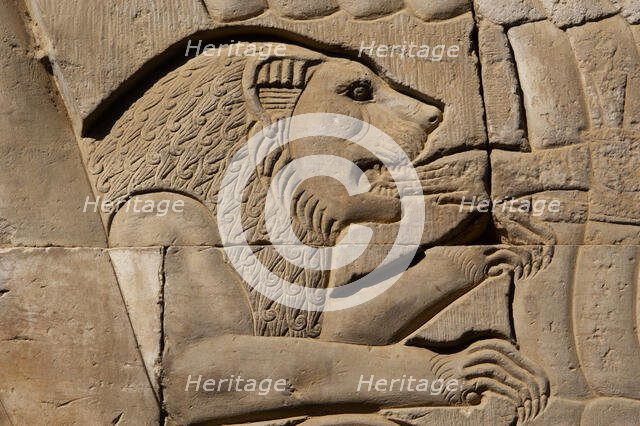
(180, 135)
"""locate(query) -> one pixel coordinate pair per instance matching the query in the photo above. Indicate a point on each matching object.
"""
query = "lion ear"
(273, 86)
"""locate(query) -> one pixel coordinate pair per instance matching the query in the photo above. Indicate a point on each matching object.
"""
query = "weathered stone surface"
(569, 221)
(170, 219)
(42, 184)
(576, 12)
(65, 332)
(597, 232)
(610, 67)
(605, 302)
(516, 174)
(613, 199)
(456, 321)
(493, 245)
(562, 13)
(610, 410)
(544, 324)
(635, 29)
(438, 9)
(509, 12)
(503, 102)
(552, 90)
(69, 33)
(370, 9)
(300, 9)
(629, 9)
(194, 279)
(495, 411)
(139, 274)
(541, 195)
(225, 10)
(451, 184)
(230, 10)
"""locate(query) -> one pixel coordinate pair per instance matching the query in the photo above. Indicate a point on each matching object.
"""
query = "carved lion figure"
(178, 138)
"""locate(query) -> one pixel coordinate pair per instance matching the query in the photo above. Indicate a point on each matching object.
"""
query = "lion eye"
(360, 91)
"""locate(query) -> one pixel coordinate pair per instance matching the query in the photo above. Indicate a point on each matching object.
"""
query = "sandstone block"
(66, 332)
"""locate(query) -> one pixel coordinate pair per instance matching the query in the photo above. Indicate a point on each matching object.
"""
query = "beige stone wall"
(517, 284)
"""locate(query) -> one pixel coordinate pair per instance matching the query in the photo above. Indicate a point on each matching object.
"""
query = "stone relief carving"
(178, 136)
(530, 312)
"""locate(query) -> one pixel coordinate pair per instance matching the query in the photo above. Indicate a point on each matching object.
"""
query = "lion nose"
(425, 115)
(428, 116)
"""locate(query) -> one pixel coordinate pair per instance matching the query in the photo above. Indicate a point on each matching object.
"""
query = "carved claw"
(496, 366)
(524, 261)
